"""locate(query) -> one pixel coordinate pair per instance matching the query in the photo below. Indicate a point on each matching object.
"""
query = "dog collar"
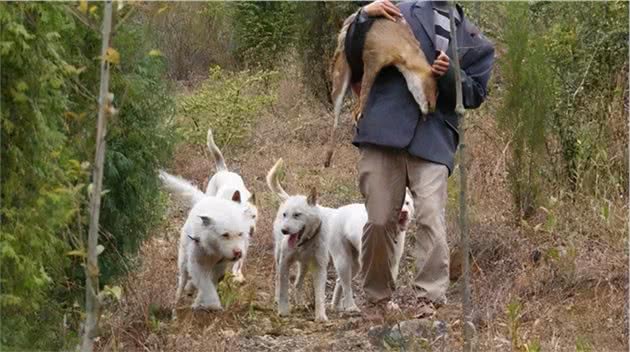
(196, 240)
(315, 233)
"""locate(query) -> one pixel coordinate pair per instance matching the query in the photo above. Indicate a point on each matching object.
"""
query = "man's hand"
(382, 8)
(440, 65)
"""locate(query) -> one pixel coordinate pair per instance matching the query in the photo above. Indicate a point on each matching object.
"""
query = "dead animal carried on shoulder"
(385, 43)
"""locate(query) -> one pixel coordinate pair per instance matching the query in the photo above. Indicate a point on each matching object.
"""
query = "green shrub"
(50, 79)
(228, 103)
(526, 106)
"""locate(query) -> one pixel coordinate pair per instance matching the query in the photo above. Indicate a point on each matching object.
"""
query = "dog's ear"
(206, 221)
(252, 199)
(236, 197)
(312, 197)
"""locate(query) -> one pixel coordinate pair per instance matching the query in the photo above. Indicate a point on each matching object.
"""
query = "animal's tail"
(182, 188)
(340, 76)
(273, 183)
(219, 161)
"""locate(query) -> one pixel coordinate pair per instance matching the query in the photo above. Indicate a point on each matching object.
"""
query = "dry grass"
(569, 278)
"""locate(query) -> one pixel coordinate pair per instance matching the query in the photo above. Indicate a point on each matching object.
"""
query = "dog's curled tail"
(274, 183)
(219, 161)
(182, 188)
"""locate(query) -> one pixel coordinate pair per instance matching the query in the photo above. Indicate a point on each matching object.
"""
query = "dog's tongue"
(293, 240)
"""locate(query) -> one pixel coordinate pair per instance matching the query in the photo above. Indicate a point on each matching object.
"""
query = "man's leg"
(382, 181)
(428, 183)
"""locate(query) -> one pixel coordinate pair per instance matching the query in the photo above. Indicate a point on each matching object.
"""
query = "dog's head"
(298, 218)
(221, 227)
(407, 211)
(248, 201)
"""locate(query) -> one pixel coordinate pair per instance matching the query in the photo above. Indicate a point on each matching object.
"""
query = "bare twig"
(92, 305)
(81, 17)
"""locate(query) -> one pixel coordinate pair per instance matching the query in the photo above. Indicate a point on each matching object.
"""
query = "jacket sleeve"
(475, 77)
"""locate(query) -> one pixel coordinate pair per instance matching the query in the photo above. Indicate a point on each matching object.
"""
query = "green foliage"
(50, 80)
(41, 179)
(526, 106)
(263, 30)
(317, 40)
(587, 48)
(228, 103)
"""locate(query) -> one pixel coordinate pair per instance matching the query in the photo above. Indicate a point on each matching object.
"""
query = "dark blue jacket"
(392, 117)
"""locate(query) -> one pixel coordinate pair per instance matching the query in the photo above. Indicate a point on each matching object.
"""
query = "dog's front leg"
(299, 283)
(319, 283)
(207, 296)
(282, 287)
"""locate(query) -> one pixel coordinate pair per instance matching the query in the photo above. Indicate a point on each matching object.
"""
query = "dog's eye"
(253, 216)
(240, 234)
(297, 215)
(406, 203)
(284, 215)
(225, 235)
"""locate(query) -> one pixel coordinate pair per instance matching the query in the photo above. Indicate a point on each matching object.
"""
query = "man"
(399, 147)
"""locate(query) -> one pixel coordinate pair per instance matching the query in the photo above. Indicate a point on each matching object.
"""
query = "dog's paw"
(283, 311)
(207, 307)
(321, 317)
(352, 309)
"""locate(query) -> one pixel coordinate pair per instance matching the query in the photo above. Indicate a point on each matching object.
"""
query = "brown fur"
(387, 43)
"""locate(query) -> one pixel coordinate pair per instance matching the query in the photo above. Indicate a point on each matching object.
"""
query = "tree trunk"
(91, 269)
(469, 328)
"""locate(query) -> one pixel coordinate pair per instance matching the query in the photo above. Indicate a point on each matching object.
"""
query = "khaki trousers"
(383, 175)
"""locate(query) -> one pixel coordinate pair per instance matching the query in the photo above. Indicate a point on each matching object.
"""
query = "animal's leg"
(400, 247)
(336, 298)
(282, 287)
(319, 284)
(414, 84)
(207, 296)
(302, 269)
(345, 276)
(182, 278)
(370, 72)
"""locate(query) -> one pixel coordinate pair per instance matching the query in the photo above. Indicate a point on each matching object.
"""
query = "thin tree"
(469, 328)
(92, 304)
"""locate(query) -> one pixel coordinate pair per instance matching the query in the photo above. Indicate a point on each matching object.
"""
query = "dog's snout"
(237, 253)
(285, 232)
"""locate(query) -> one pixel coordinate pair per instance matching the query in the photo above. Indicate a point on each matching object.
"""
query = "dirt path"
(297, 133)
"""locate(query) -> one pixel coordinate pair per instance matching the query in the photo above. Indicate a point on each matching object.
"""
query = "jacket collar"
(423, 10)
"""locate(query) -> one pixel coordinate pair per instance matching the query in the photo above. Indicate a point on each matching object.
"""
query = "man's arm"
(474, 79)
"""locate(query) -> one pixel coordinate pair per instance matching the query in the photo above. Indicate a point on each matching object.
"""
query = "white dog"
(215, 234)
(224, 184)
(300, 236)
(345, 247)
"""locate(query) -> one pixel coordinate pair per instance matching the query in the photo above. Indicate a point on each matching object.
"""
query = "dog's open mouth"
(294, 238)
(403, 217)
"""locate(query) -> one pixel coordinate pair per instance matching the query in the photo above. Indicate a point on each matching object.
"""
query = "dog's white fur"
(345, 247)
(300, 235)
(223, 184)
(215, 234)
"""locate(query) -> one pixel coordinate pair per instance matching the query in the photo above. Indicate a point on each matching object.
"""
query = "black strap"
(315, 233)
(355, 41)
